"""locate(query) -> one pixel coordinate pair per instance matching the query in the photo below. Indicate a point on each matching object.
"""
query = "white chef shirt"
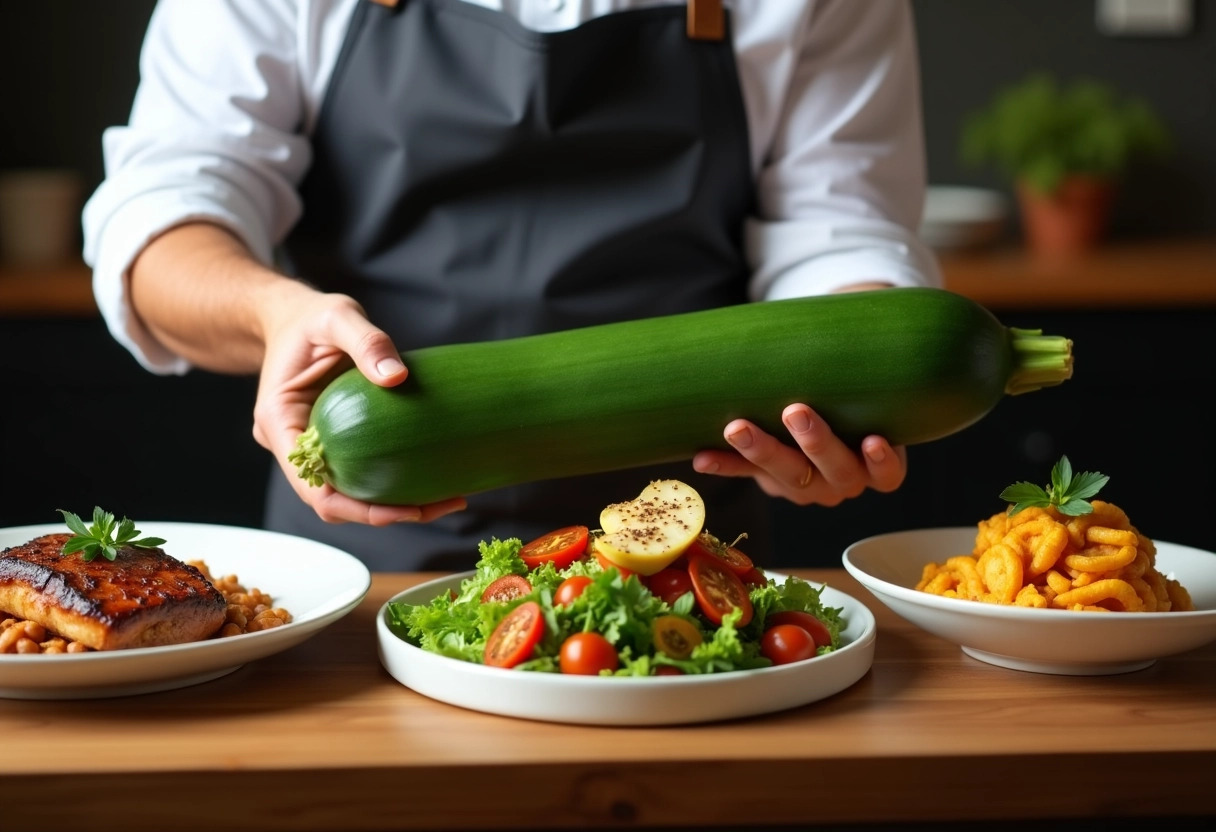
(230, 90)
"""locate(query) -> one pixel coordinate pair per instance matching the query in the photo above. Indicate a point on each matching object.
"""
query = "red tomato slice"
(816, 628)
(787, 643)
(669, 584)
(707, 544)
(506, 588)
(718, 589)
(570, 589)
(515, 636)
(561, 547)
(586, 654)
(667, 670)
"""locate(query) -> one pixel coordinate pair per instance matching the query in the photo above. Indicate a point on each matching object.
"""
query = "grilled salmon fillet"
(145, 598)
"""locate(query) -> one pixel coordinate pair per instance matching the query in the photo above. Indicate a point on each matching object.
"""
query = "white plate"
(1038, 640)
(659, 700)
(316, 583)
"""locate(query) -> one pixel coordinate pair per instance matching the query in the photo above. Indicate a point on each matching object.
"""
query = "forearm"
(204, 296)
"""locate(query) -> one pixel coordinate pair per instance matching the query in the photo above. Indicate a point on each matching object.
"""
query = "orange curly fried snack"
(1042, 558)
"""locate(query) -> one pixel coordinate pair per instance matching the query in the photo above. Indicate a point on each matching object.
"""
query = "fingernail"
(876, 453)
(389, 367)
(708, 468)
(410, 516)
(742, 438)
(798, 422)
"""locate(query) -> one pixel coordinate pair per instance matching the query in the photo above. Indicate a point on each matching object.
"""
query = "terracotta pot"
(1070, 220)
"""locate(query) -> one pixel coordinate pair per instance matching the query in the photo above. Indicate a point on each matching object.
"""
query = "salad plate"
(318, 584)
(620, 700)
(1061, 642)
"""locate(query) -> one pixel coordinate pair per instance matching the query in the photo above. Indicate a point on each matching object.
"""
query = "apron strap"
(706, 20)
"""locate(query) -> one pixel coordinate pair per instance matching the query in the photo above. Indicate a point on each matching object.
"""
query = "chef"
(304, 185)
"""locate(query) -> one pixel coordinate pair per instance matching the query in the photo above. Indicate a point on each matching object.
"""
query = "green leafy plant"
(1066, 493)
(104, 537)
(1039, 132)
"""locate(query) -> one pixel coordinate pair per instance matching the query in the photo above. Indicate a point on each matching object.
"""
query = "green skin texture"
(911, 365)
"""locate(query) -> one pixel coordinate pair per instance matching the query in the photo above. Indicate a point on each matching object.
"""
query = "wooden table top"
(1150, 274)
(321, 737)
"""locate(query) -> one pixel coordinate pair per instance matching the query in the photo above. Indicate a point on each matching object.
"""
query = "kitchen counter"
(1159, 274)
(322, 738)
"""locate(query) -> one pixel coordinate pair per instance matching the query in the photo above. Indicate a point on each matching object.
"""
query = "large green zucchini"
(912, 365)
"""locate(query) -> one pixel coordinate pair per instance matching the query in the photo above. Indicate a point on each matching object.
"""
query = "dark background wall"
(82, 423)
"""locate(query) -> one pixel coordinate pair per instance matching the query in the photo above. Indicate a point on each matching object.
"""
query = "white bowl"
(659, 700)
(1038, 640)
(958, 217)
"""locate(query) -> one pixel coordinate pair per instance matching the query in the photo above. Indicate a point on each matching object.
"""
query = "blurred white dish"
(1038, 640)
(658, 700)
(316, 583)
(957, 217)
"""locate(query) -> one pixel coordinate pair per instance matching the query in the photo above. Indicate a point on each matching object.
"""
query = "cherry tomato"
(506, 588)
(754, 577)
(515, 636)
(669, 584)
(718, 589)
(570, 589)
(586, 654)
(707, 544)
(675, 636)
(561, 548)
(667, 670)
(607, 564)
(817, 629)
(787, 643)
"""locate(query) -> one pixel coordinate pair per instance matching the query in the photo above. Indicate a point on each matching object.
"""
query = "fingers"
(368, 346)
(820, 468)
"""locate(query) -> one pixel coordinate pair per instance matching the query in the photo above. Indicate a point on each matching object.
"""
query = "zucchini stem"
(308, 457)
(1038, 360)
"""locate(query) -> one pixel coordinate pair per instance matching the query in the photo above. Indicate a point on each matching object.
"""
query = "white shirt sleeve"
(215, 134)
(840, 162)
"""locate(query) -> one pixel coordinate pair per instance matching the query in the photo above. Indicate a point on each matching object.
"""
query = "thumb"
(379, 360)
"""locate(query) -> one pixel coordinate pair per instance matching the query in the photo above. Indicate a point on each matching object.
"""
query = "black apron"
(476, 180)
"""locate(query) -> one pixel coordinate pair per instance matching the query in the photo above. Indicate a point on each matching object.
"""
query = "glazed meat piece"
(145, 598)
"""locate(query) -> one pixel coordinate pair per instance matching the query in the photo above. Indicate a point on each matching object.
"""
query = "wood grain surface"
(1159, 274)
(321, 737)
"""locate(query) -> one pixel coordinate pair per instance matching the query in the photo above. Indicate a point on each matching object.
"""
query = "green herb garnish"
(103, 538)
(1067, 493)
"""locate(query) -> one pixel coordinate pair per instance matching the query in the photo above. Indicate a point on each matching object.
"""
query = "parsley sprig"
(1067, 493)
(103, 537)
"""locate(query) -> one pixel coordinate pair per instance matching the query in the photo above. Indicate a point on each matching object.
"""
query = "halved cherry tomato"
(667, 670)
(818, 630)
(561, 548)
(718, 589)
(570, 589)
(607, 564)
(675, 636)
(707, 544)
(669, 584)
(506, 588)
(787, 643)
(515, 636)
(586, 654)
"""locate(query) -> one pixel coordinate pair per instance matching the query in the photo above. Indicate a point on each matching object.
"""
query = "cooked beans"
(249, 610)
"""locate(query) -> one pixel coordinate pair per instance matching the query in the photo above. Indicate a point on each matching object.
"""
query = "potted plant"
(1065, 149)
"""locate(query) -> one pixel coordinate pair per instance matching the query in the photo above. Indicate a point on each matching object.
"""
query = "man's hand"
(818, 470)
(310, 338)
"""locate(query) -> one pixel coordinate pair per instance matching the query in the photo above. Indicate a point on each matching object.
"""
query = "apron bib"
(475, 180)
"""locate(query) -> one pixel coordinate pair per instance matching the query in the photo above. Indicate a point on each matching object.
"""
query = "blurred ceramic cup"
(39, 216)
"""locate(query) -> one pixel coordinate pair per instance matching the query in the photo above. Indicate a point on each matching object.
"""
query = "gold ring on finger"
(807, 477)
